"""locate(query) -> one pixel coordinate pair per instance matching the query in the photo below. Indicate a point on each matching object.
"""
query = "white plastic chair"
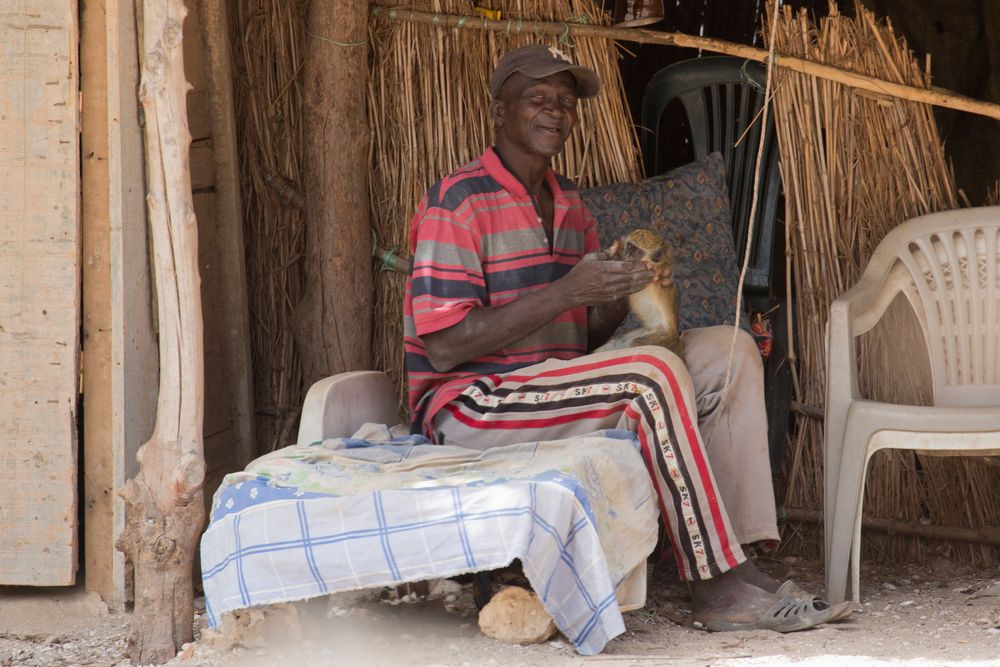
(948, 266)
(337, 406)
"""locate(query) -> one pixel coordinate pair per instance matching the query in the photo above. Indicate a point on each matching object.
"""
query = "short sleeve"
(446, 279)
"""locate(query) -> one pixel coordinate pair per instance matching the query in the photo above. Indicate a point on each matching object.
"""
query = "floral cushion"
(689, 207)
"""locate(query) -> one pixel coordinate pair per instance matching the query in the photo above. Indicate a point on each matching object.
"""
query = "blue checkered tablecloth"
(346, 515)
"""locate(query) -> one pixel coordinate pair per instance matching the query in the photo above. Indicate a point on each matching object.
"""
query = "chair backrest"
(953, 262)
(722, 97)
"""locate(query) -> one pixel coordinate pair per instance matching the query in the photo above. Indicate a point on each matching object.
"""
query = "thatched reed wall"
(855, 165)
(267, 61)
(429, 112)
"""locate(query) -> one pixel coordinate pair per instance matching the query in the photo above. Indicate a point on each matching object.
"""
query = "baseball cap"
(538, 61)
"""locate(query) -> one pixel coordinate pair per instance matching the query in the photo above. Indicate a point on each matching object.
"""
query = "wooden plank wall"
(39, 291)
(119, 346)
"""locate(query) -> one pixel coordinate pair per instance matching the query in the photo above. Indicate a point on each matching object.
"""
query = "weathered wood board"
(39, 291)
(120, 357)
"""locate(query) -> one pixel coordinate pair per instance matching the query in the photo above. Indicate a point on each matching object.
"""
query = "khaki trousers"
(733, 425)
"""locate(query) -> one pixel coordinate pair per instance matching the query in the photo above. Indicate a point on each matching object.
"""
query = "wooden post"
(333, 320)
(98, 425)
(119, 350)
(878, 87)
(163, 503)
(229, 224)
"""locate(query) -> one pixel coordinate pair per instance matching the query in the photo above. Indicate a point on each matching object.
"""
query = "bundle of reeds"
(429, 113)
(267, 58)
(854, 165)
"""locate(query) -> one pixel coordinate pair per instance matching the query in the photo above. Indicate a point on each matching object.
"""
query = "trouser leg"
(733, 425)
(646, 390)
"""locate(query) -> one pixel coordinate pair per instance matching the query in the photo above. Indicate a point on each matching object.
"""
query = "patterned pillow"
(689, 207)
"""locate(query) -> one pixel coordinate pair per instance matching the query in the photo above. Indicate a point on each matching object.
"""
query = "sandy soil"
(917, 615)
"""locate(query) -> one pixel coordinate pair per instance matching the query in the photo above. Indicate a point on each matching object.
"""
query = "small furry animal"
(654, 305)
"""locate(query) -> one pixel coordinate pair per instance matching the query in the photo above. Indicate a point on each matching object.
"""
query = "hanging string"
(756, 195)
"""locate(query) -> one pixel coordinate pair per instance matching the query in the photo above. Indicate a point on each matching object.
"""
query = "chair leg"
(856, 544)
(846, 510)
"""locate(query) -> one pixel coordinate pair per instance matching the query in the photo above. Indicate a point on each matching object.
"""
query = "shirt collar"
(496, 168)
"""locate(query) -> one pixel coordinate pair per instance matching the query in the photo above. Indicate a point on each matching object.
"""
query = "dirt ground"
(916, 615)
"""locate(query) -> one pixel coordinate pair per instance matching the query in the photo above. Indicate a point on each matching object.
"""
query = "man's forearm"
(483, 331)
(603, 320)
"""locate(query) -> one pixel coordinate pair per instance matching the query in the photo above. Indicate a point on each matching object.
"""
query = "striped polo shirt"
(477, 241)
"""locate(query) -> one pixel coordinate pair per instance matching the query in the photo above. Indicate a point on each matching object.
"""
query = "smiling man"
(507, 296)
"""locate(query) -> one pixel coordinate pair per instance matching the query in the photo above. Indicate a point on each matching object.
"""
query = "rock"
(516, 616)
(443, 587)
(993, 590)
(256, 627)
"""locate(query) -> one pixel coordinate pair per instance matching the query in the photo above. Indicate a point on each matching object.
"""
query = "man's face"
(536, 115)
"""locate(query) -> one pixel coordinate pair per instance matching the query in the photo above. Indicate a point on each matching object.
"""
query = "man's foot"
(727, 602)
(750, 573)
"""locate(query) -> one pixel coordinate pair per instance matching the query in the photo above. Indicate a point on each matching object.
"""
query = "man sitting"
(507, 296)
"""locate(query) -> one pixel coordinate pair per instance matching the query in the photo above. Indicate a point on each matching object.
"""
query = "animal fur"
(654, 305)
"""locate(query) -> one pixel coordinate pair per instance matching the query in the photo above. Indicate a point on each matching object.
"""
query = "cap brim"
(588, 84)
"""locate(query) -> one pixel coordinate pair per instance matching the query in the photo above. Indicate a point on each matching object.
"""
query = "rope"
(771, 61)
(389, 260)
(335, 42)
(748, 78)
(566, 38)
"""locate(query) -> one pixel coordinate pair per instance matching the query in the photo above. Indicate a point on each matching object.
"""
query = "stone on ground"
(516, 616)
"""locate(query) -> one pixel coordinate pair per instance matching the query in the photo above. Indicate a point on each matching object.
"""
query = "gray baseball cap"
(538, 61)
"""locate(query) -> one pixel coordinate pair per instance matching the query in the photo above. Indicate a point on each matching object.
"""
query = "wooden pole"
(333, 322)
(163, 502)
(935, 96)
(229, 218)
(893, 527)
(98, 401)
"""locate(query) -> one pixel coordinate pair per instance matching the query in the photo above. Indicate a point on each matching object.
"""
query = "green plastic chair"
(722, 96)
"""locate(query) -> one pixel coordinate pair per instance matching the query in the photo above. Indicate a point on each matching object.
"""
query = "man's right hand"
(597, 280)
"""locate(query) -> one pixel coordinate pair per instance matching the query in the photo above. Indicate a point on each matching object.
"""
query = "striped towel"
(348, 514)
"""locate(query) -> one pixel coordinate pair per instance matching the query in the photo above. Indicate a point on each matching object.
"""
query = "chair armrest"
(336, 406)
(868, 300)
(853, 313)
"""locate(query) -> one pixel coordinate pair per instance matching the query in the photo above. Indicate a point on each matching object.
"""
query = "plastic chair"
(948, 267)
(722, 96)
(337, 406)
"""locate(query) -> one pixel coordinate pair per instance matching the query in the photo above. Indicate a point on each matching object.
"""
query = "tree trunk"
(334, 319)
(163, 503)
